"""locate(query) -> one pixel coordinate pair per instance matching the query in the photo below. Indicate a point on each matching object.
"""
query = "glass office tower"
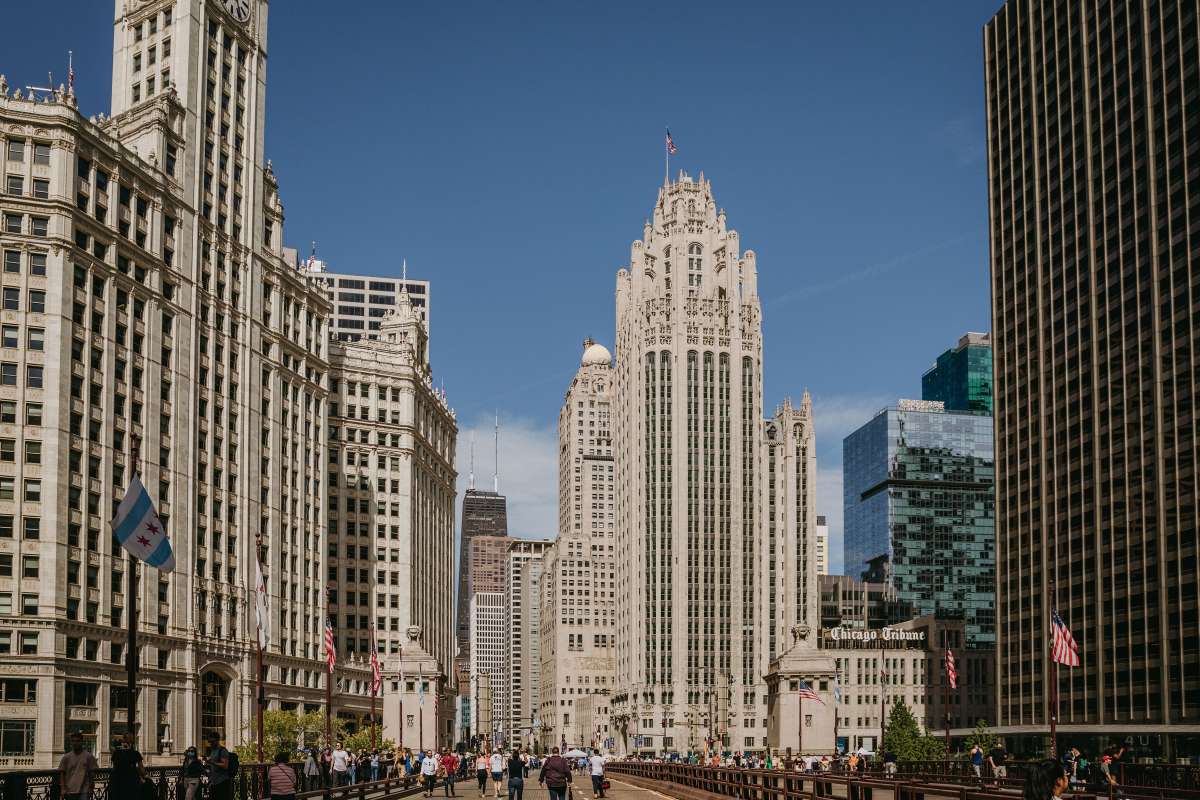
(917, 483)
(962, 376)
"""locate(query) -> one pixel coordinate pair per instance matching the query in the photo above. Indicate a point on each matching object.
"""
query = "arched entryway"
(214, 697)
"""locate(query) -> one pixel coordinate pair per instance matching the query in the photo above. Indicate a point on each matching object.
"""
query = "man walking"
(450, 765)
(998, 760)
(555, 774)
(597, 764)
(429, 769)
(220, 781)
(339, 760)
(977, 760)
(75, 770)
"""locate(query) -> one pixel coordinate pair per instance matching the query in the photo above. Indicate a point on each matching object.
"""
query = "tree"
(285, 732)
(361, 740)
(907, 740)
(982, 736)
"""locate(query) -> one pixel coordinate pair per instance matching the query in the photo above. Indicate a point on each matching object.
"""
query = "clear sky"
(511, 152)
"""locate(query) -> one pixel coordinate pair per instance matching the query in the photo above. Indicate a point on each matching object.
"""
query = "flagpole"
(1054, 682)
(131, 622)
(946, 680)
(400, 746)
(260, 692)
(374, 688)
(328, 682)
(882, 707)
(800, 729)
(667, 162)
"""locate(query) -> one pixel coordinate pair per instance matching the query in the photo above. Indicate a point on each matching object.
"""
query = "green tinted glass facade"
(962, 376)
(918, 491)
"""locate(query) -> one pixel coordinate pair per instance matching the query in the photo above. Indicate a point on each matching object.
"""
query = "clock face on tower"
(238, 9)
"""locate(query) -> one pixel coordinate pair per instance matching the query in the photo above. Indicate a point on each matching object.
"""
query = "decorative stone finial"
(3, 85)
(17, 94)
(413, 632)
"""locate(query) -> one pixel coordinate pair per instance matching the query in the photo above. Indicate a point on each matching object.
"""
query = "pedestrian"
(220, 778)
(450, 765)
(327, 767)
(1046, 780)
(889, 763)
(597, 765)
(496, 763)
(374, 765)
(352, 767)
(281, 779)
(556, 775)
(429, 771)
(481, 771)
(518, 768)
(75, 770)
(998, 761)
(191, 771)
(128, 771)
(977, 760)
(339, 765)
(312, 772)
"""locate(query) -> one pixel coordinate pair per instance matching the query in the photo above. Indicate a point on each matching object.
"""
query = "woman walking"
(481, 771)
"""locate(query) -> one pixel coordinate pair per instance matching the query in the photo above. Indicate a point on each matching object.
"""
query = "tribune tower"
(688, 424)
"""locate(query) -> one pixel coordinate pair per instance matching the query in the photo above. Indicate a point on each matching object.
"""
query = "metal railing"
(169, 784)
(928, 780)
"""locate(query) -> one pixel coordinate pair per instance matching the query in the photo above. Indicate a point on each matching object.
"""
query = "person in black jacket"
(518, 768)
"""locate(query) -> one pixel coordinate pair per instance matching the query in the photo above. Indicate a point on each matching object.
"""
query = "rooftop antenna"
(471, 474)
(496, 475)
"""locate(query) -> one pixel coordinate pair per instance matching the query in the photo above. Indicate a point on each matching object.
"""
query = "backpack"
(234, 764)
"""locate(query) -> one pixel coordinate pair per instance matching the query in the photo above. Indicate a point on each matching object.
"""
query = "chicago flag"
(139, 530)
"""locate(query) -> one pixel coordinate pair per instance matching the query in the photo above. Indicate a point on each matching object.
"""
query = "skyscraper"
(688, 422)
(483, 514)
(161, 332)
(578, 595)
(917, 485)
(1093, 132)
(361, 301)
(523, 647)
(962, 376)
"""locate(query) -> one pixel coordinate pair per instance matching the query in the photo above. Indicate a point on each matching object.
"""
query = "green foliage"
(286, 731)
(907, 740)
(982, 736)
(361, 740)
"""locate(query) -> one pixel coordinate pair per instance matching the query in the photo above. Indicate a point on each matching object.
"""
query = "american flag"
(807, 693)
(376, 672)
(1063, 648)
(330, 653)
(951, 672)
(671, 148)
(70, 71)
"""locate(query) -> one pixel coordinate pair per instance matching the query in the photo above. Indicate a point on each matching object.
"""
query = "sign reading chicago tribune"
(873, 638)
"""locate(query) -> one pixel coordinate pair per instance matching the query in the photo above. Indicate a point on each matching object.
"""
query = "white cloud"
(528, 470)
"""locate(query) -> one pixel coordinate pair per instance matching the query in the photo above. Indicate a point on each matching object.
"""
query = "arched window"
(695, 258)
(213, 691)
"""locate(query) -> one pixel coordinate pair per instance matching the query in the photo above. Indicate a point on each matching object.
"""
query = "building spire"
(471, 474)
(496, 474)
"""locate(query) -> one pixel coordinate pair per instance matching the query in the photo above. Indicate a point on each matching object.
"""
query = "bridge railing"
(931, 781)
(169, 784)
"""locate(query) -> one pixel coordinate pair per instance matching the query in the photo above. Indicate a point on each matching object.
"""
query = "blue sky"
(511, 152)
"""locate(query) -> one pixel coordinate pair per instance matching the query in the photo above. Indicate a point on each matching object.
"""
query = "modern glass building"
(962, 376)
(917, 483)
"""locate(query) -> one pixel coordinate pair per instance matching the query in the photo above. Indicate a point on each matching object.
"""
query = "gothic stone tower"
(688, 424)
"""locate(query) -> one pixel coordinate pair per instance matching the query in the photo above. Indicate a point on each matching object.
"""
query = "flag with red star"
(139, 530)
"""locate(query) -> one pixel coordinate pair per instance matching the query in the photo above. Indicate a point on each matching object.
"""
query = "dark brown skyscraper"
(483, 514)
(1093, 115)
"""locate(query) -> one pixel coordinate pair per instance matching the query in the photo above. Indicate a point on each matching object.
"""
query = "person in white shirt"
(429, 768)
(597, 764)
(497, 766)
(341, 766)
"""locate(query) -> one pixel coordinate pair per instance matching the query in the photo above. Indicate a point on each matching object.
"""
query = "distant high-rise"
(360, 301)
(822, 546)
(1093, 145)
(917, 484)
(483, 514)
(962, 376)
(578, 605)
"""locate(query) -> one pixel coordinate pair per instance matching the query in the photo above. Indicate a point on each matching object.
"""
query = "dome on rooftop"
(595, 354)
